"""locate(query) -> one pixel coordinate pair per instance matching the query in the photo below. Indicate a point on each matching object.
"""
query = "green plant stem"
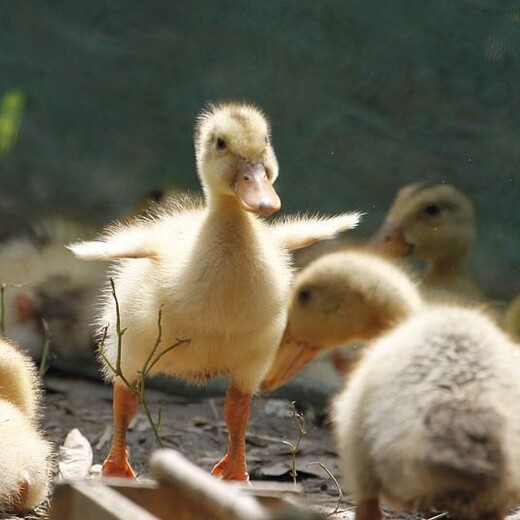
(44, 364)
(295, 448)
(138, 388)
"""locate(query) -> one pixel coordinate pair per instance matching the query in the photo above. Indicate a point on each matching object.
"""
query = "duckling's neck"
(447, 266)
(452, 277)
(227, 220)
(225, 205)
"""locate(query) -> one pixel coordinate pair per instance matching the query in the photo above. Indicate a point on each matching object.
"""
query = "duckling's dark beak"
(290, 357)
(390, 240)
(254, 189)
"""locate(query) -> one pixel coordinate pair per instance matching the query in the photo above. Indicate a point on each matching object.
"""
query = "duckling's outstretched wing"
(124, 242)
(296, 232)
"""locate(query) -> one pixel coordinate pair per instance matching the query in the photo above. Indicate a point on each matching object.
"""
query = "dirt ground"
(194, 426)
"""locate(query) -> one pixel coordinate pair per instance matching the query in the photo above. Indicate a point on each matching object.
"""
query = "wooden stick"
(206, 495)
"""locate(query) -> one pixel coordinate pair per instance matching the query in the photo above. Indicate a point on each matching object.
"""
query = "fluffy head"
(432, 221)
(227, 135)
(349, 295)
(339, 298)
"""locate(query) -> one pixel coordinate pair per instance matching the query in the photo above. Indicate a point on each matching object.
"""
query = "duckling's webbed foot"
(118, 466)
(125, 404)
(236, 411)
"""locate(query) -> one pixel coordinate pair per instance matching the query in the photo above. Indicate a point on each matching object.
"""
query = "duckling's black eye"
(432, 209)
(304, 296)
(221, 144)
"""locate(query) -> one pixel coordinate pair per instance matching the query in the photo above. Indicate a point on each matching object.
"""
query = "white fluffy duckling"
(434, 222)
(220, 275)
(26, 461)
(431, 417)
(340, 298)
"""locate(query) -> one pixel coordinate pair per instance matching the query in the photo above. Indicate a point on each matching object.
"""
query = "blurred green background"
(364, 97)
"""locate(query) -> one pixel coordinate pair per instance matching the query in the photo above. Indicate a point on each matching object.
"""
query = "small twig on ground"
(338, 487)
(295, 447)
(439, 516)
(137, 388)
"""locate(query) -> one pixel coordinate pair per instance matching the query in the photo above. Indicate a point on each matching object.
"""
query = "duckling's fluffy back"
(26, 459)
(26, 454)
(432, 416)
(19, 380)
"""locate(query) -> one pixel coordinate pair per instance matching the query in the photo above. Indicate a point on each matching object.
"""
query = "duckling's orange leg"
(124, 406)
(25, 307)
(236, 413)
(368, 510)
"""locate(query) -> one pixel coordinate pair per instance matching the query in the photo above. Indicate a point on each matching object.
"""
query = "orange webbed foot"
(226, 470)
(219, 467)
(118, 467)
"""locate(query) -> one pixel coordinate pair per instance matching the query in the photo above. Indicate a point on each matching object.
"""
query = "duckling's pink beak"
(255, 191)
(390, 240)
(290, 357)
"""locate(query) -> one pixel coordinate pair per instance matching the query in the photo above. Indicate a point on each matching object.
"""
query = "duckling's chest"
(231, 280)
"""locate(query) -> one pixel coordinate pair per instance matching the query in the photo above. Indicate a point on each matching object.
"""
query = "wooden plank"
(92, 500)
(182, 491)
(201, 493)
(274, 496)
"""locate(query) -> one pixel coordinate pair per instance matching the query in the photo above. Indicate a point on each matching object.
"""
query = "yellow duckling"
(433, 222)
(340, 298)
(431, 418)
(25, 464)
(220, 275)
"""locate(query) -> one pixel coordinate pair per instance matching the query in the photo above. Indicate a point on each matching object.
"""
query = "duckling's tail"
(302, 231)
(465, 443)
